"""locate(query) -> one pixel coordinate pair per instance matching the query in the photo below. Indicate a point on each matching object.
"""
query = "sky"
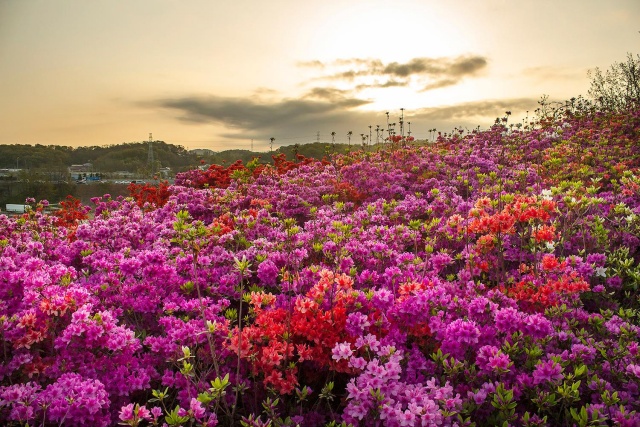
(233, 74)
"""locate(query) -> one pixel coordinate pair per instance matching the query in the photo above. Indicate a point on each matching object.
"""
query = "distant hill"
(133, 157)
(41, 171)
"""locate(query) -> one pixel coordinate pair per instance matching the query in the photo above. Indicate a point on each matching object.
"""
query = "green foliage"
(173, 419)
(127, 156)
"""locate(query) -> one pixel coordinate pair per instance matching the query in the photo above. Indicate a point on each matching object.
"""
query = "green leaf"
(173, 419)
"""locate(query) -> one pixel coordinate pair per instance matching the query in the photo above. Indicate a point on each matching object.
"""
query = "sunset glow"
(211, 75)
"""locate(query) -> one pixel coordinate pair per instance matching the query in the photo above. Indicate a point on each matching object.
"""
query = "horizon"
(215, 76)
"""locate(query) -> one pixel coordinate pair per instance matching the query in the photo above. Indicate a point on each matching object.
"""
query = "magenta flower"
(634, 370)
(549, 371)
(133, 415)
(126, 413)
(341, 351)
(491, 359)
(196, 408)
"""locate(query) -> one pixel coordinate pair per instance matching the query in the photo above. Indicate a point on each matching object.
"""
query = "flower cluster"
(482, 279)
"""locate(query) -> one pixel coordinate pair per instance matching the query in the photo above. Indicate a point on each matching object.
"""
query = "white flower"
(601, 271)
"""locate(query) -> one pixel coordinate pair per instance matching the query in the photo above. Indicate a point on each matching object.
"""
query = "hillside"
(485, 279)
(133, 157)
(44, 169)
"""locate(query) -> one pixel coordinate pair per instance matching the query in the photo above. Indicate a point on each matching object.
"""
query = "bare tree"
(618, 87)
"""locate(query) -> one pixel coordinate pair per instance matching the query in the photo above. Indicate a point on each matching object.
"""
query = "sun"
(378, 33)
(393, 31)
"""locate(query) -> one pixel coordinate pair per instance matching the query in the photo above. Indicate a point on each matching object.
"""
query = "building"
(78, 172)
(9, 172)
(164, 172)
(202, 152)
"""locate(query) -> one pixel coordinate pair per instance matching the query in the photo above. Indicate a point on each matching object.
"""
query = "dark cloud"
(415, 66)
(437, 84)
(430, 73)
(325, 110)
(382, 85)
(349, 75)
(334, 95)
(249, 116)
(430, 67)
(466, 65)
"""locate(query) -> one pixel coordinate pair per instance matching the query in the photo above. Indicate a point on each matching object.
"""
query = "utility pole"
(150, 158)
(402, 123)
(388, 128)
(333, 142)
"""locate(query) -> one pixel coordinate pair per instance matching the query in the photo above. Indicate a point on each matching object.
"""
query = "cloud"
(327, 93)
(265, 91)
(382, 85)
(437, 84)
(325, 110)
(432, 67)
(415, 66)
(358, 62)
(430, 73)
(248, 116)
(468, 65)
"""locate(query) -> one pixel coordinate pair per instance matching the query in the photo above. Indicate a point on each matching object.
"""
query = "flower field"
(488, 278)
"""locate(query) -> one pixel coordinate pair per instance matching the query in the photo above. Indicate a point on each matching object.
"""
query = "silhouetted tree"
(618, 87)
